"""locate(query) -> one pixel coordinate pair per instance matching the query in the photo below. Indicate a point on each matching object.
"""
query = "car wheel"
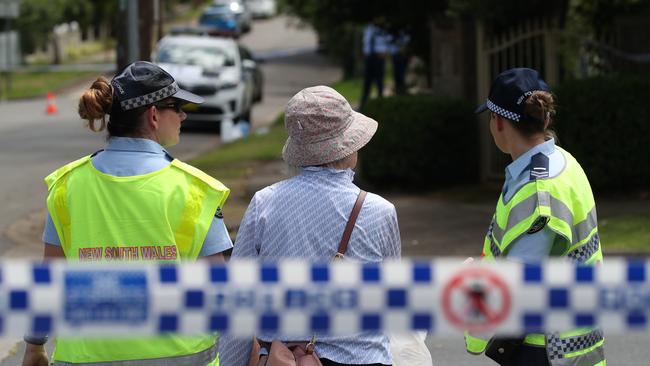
(258, 97)
(245, 116)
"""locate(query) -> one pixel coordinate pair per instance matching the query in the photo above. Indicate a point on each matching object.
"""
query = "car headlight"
(228, 86)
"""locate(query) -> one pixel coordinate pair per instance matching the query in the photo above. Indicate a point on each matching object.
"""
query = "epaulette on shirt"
(53, 177)
(539, 166)
(539, 169)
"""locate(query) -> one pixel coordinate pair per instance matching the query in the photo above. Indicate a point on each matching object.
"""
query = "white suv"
(213, 68)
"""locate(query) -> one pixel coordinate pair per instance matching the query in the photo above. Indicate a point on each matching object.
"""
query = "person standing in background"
(376, 43)
(400, 59)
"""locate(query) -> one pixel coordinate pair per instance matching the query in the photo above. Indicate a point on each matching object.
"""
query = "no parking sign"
(476, 299)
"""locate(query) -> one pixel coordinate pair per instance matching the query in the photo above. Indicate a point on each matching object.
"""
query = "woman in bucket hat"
(305, 216)
(546, 209)
(132, 201)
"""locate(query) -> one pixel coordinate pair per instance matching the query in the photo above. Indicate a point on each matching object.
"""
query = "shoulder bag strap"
(343, 245)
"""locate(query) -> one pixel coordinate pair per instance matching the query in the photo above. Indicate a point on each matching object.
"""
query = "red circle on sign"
(484, 296)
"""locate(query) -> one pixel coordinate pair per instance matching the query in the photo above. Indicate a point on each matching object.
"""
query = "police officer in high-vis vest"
(133, 202)
(546, 209)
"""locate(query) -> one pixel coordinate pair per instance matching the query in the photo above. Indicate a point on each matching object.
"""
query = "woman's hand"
(35, 355)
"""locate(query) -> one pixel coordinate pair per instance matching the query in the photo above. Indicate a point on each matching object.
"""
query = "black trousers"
(327, 362)
(530, 356)
(400, 62)
(373, 73)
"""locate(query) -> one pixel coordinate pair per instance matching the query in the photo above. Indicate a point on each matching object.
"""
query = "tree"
(35, 23)
(38, 18)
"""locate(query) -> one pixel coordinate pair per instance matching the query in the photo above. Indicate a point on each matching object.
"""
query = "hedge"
(605, 123)
(422, 143)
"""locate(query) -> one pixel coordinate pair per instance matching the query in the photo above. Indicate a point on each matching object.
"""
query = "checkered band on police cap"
(503, 112)
(143, 83)
(150, 98)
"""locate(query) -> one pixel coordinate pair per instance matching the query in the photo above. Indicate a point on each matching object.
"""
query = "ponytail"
(96, 103)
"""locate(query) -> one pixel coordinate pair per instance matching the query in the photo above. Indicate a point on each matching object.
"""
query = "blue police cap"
(143, 83)
(509, 92)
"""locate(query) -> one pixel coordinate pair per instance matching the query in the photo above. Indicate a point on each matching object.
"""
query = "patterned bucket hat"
(323, 127)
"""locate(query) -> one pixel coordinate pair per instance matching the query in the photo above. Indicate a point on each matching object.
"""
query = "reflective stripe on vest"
(201, 358)
(585, 349)
(520, 212)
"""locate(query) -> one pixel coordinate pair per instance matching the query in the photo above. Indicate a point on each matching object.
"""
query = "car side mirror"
(249, 64)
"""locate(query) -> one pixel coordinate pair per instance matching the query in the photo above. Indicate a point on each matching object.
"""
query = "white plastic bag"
(408, 349)
(229, 131)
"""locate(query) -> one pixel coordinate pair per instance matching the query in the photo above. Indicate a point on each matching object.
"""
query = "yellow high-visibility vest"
(565, 204)
(160, 216)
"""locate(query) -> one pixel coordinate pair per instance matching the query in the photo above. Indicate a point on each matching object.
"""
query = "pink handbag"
(300, 353)
(280, 354)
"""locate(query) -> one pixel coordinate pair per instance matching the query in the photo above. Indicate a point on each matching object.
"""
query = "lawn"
(256, 147)
(625, 233)
(37, 84)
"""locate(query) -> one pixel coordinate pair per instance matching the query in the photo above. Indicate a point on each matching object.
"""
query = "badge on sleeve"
(219, 213)
(538, 225)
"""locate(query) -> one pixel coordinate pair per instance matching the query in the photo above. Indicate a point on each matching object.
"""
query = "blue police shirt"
(532, 247)
(375, 40)
(126, 156)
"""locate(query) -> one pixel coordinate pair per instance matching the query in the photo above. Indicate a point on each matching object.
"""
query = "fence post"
(550, 54)
(483, 85)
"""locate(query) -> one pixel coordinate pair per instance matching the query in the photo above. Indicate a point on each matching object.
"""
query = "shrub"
(604, 123)
(422, 143)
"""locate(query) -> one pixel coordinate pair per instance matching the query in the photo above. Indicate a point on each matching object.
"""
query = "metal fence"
(532, 43)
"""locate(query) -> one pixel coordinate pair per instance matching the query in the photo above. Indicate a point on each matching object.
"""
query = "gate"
(534, 44)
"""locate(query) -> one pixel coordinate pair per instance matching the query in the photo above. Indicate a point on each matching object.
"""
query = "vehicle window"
(213, 17)
(206, 57)
(245, 54)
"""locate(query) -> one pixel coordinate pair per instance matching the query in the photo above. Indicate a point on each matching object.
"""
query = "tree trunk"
(145, 28)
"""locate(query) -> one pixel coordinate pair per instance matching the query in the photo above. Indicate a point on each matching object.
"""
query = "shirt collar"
(515, 168)
(135, 144)
(320, 170)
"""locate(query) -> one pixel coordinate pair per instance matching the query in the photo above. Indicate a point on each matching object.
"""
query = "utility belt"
(557, 347)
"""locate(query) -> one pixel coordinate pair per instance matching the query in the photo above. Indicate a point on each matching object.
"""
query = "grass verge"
(35, 84)
(630, 233)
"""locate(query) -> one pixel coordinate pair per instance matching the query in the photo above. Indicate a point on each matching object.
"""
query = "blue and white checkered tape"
(292, 297)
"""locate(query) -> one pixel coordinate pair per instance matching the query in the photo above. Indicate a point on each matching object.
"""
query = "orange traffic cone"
(51, 104)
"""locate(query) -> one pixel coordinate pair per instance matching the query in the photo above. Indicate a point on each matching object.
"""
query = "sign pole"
(9, 10)
(8, 45)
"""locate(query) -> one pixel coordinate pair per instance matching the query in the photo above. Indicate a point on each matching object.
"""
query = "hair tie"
(107, 110)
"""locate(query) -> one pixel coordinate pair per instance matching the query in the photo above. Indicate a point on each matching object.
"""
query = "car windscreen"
(216, 15)
(209, 58)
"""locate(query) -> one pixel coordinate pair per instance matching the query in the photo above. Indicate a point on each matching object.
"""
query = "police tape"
(291, 297)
